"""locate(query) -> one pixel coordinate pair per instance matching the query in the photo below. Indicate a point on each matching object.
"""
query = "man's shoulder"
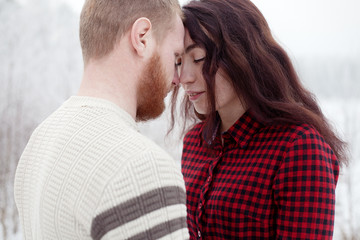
(143, 144)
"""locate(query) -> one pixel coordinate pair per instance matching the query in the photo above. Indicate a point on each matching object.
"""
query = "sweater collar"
(92, 102)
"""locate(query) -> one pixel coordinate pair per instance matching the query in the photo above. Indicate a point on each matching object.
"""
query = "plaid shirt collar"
(241, 131)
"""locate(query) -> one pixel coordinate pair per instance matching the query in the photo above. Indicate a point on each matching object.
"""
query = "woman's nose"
(186, 76)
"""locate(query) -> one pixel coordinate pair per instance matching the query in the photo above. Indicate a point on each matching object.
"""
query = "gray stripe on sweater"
(162, 229)
(135, 208)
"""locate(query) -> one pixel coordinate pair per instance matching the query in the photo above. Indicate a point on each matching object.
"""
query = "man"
(86, 172)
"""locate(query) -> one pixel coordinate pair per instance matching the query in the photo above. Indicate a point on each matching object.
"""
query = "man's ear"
(141, 35)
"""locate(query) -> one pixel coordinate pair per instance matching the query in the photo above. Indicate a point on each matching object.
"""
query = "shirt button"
(199, 234)
(200, 206)
(209, 178)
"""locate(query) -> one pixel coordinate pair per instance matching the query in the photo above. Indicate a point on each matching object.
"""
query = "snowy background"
(41, 66)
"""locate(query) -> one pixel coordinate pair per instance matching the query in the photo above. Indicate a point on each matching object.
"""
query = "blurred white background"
(41, 66)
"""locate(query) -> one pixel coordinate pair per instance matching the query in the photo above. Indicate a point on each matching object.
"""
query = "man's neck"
(101, 80)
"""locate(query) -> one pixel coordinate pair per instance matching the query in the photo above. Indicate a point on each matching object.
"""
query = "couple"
(261, 162)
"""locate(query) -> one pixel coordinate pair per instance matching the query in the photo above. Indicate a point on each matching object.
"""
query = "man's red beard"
(152, 90)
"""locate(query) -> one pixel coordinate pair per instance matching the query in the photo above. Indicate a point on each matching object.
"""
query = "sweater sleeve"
(305, 190)
(145, 200)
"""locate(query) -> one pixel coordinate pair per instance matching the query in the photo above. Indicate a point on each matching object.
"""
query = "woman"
(262, 162)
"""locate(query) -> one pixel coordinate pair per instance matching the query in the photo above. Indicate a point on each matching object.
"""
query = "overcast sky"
(307, 27)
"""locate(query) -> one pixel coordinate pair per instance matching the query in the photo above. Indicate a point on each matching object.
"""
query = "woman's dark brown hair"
(238, 40)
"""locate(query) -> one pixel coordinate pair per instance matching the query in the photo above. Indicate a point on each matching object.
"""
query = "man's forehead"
(179, 34)
(179, 27)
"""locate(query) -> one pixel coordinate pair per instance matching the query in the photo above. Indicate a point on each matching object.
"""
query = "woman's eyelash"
(199, 60)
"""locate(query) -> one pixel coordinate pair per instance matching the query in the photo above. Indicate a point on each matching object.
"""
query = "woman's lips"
(193, 96)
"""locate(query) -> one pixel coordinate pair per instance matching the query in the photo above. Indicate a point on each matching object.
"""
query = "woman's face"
(193, 82)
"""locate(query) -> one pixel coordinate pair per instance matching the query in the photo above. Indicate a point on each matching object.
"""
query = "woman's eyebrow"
(191, 47)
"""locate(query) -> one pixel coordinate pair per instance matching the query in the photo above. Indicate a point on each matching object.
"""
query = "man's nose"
(176, 78)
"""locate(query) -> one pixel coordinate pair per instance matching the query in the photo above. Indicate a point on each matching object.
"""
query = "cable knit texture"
(87, 173)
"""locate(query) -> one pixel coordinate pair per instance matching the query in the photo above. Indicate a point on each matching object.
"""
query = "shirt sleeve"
(305, 190)
(146, 200)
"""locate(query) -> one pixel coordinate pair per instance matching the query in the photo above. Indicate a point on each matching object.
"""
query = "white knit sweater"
(87, 173)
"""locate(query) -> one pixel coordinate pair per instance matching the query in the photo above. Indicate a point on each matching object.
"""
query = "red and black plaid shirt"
(264, 182)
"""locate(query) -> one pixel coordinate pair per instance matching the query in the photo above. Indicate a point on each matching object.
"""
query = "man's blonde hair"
(103, 22)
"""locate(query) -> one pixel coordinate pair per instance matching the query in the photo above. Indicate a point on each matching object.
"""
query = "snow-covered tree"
(40, 66)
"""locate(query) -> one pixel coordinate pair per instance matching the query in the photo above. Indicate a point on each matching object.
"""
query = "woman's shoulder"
(194, 132)
(293, 132)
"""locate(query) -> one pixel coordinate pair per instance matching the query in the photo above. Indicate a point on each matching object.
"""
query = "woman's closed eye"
(199, 60)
